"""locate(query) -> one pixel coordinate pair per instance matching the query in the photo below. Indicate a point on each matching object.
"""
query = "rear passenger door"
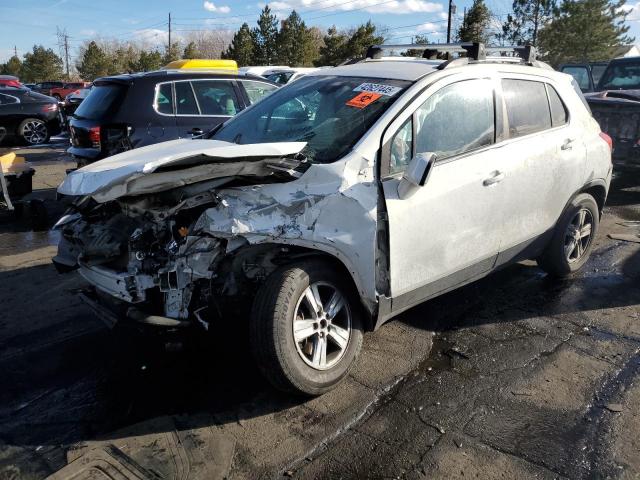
(204, 104)
(545, 164)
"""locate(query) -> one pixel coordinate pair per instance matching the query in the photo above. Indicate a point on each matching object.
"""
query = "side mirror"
(416, 174)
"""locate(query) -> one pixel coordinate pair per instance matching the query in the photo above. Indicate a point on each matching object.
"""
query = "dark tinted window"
(527, 107)
(558, 110)
(185, 101)
(596, 72)
(621, 76)
(280, 77)
(164, 99)
(102, 100)
(456, 119)
(216, 97)
(8, 99)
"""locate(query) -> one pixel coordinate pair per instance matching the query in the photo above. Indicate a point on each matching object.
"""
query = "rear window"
(527, 107)
(621, 76)
(558, 110)
(102, 100)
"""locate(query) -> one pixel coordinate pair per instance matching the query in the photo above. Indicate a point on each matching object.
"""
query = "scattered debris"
(455, 352)
(522, 394)
(614, 407)
(625, 237)
(458, 444)
(288, 473)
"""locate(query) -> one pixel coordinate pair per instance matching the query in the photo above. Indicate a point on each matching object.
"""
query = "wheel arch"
(598, 190)
(281, 254)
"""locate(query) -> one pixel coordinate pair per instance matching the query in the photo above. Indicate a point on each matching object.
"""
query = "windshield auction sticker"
(387, 90)
(363, 99)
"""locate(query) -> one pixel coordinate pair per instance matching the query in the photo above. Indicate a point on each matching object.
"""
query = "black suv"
(129, 111)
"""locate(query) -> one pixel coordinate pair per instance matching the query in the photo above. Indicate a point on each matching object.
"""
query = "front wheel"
(306, 329)
(572, 242)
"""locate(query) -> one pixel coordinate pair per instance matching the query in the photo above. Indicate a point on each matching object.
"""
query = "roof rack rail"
(474, 52)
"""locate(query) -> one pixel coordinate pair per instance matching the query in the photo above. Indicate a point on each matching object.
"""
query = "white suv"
(340, 201)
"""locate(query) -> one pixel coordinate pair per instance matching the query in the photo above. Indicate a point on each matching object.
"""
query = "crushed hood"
(179, 162)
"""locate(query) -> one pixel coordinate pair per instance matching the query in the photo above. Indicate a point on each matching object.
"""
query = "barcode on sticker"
(387, 90)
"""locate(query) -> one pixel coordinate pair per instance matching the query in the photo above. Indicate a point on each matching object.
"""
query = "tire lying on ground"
(572, 241)
(33, 131)
(306, 327)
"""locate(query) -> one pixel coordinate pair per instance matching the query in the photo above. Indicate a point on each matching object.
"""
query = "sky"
(28, 22)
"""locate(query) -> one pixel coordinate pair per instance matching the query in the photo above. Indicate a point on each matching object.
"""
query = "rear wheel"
(572, 241)
(33, 131)
(306, 330)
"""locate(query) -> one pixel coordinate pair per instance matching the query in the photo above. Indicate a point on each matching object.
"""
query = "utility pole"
(452, 11)
(169, 50)
(63, 45)
(15, 51)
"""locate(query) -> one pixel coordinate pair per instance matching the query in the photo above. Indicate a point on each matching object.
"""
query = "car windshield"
(330, 113)
(621, 76)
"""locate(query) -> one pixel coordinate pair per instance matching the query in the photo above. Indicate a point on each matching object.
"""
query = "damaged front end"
(149, 259)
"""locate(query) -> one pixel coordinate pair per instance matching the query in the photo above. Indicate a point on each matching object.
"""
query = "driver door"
(448, 231)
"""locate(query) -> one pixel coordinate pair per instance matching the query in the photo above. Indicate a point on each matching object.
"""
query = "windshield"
(621, 76)
(101, 100)
(330, 113)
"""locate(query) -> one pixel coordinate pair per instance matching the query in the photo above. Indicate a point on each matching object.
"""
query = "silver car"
(340, 201)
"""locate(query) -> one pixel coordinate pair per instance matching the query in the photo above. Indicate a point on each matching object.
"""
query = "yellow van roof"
(202, 64)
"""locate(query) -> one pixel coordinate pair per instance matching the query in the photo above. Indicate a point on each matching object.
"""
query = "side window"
(402, 147)
(580, 75)
(558, 110)
(456, 119)
(527, 107)
(216, 97)
(185, 101)
(256, 91)
(164, 99)
(8, 99)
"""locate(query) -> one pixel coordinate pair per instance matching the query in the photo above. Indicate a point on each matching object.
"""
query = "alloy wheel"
(578, 235)
(322, 325)
(34, 132)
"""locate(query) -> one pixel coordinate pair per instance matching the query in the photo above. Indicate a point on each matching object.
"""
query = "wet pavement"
(514, 376)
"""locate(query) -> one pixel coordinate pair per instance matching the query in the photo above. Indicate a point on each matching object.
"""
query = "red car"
(10, 81)
(60, 93)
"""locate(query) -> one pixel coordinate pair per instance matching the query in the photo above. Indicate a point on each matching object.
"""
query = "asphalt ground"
(515, 376)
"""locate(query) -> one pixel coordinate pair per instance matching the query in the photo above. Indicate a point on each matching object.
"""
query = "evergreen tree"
(475, 26)
(358, 43)
(147, 61)
(522, 26)
(122, 59)
(40, 65)
(94, 62)
(171, 53)
(331, 53)
(291, 40)
(12, 67)
(191, 51)
(265, 38)
(241, 48)
(585, 31)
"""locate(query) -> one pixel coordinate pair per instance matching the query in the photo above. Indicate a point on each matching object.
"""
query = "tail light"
(94, 136)
(50, 107)
(607, 139)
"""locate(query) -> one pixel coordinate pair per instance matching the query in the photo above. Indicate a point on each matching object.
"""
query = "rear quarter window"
(527, 106)
(559, 114)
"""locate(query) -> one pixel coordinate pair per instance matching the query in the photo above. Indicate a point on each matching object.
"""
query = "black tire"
(271, 328)
(27, 125)
(555, 260)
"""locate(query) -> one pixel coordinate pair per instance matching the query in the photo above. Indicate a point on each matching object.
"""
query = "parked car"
(29, 116)
(616, 106)
(10, 81)
(60, 93)
(130, 111)
(30, 86)
(258, 70)
(340, 201)
(46, 88)
(74, 99)
(586, 75)
(282, 76)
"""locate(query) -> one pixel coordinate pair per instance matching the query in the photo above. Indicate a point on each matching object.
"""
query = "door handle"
(496, 177)
(567, 144)
(195, 131)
